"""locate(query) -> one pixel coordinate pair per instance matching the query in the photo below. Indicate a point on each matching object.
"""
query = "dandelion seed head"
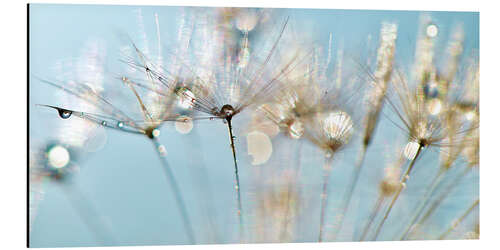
(338, 126)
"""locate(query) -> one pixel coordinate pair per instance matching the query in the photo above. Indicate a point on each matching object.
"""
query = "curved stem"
(403, 181)
(423, 203)
(236, 175)
(374, 213)
(324, 195)
(89, 215)
(350, 189)
(456, 223)
(443, 195)
(176, 191)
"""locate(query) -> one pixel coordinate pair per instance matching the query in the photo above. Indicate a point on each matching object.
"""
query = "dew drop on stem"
(64, 114)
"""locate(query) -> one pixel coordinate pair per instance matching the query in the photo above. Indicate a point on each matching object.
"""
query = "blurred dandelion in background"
(347, 126)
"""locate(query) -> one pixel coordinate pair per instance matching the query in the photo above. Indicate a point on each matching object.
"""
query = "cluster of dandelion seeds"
(297, 121)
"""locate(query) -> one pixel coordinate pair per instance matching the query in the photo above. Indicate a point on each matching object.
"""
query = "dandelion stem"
(236, 175)
(374, 213)
(440, 199)
(351, 187)
(423, 202)
(403, 181)
(324, 195)
(88, 213)
(176, 191)
(456, 223)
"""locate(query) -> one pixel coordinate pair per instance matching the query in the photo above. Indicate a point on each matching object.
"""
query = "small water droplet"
(120, 124)
(431, 30)
(64, 114)
(156, 132)
(162, 150)
(104, 123)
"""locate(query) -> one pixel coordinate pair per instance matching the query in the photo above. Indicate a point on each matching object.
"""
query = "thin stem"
(327, 169)
(176, 191)
(350, 190)
(443, 195)
(88, 213)
(423, 203)
(456, 223)
(403, 181)
(236, 176)
(374, 213)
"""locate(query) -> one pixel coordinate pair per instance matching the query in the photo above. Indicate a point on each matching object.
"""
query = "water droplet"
(156, 132)
(58, 157)
(162, 150)
(432, 30)
(120, 124)
(184, 124)
(104, 123)
(411, 149)
(64, 114)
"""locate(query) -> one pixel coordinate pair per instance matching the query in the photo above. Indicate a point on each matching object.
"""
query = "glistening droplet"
(120, 124)
(64, 114)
